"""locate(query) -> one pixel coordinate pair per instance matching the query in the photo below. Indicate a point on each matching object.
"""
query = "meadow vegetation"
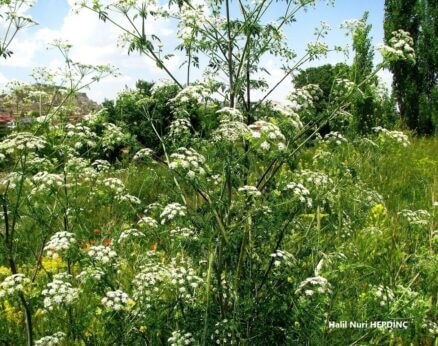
(188, 213)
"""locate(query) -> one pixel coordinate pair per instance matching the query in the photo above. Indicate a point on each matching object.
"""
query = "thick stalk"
(230, 54)
(209, 272)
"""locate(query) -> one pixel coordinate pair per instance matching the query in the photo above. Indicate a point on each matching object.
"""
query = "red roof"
(6, 118)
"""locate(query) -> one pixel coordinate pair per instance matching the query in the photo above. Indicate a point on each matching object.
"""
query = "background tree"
(324, 76)
(363, 106)
(129, 109)
(428, 66)
(415, 85)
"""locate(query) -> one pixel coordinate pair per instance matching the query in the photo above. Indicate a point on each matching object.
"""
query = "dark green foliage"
(324, 76)
(364, 105)
(415, 85)
(138, 108)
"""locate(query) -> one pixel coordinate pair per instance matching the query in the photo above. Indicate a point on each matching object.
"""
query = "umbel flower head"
(399, 47)
(59, 242)
(143, 154)
(116, 300)
(172, 211)
(22, 141)
(179, 128)
(102, 254)
(386, 135)
(59, 292)
(314, 285)
(13, 284)
(180, 338)
(189, 161)
(51, 340)
(267, 135)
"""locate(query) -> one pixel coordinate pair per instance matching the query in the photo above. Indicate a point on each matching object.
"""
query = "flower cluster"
(156, 277)
(290, 112)
(312, 285)
(231, 131)
(318, 179)
(101, 165)
(59, 242)
(82, 135)
(90, 273)
(59, 292)
(51, 340)
(334, 138)
(128, 198)
(225, 332)
(342, 88)
(116, 300)
(250, 191)
(18, 142)
(190, 94)
(183, 232)
(191, 18)
(147, 221)
(226, 114)
(304, 98)
(10, 180)
(431, 327)
(130, 233)
(282, 257)
(418, 217)
(383, 294)
(317, 49)
(371, 198)
(231, 128)
(45, 181)
(392, 136)
(13, 284)
(181, 338)
(143, 154)
(179, 128)
(112, 136)
(352, 24)
(148, 281)
(267, 134)
(189, 161)
(185, 280)
(114, 184)
(399, 47)
(172, 211)
(38, 163)
(102, 254)
(300, 192)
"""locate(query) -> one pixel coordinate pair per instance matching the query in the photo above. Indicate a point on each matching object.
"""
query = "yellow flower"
(312, 216)
(39, 312)
(377, 215)
(4, 271)
(12, 314)
(52, 265)
(142, 329)
(378, 210)
(131, 303)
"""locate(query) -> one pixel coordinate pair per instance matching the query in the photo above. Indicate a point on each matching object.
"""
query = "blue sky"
(95, 42)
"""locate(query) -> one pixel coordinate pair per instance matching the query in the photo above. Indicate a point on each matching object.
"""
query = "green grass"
(406, 178)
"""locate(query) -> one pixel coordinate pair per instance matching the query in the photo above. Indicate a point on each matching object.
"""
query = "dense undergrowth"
(192, 213)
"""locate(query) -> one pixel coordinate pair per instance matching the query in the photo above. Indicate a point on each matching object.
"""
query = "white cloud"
(24, 51)
(94, 42)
